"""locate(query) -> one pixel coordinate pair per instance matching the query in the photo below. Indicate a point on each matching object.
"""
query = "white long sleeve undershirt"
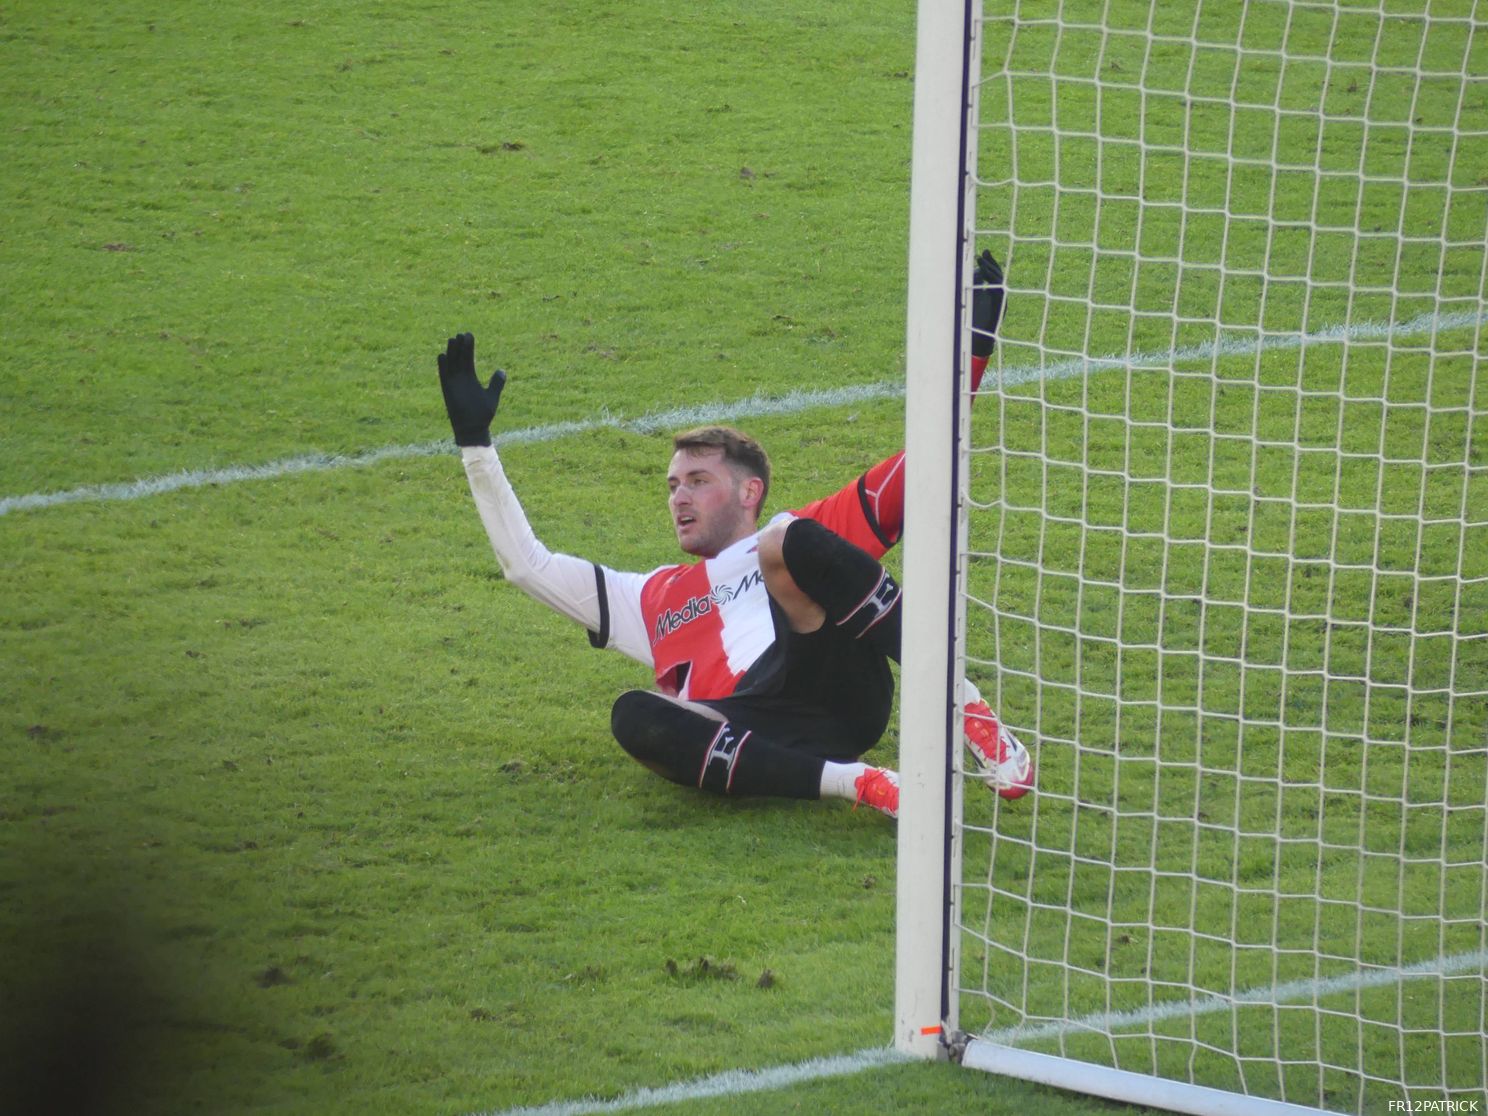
(563, 582)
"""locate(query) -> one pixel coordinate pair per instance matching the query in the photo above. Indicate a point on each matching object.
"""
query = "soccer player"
(771, 649)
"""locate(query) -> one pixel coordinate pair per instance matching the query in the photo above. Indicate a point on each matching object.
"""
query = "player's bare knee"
(802, 611)
(772, 549)
(778, 580)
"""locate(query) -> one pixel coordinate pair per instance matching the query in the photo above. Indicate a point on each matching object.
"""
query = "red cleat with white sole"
(997, 755)
(879, 787)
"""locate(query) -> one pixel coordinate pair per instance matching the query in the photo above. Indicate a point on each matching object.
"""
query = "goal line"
(741, 1082)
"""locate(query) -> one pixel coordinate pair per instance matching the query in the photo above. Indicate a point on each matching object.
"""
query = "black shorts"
(821, 692)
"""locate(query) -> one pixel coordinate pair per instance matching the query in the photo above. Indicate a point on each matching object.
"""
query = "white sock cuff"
(839, 780)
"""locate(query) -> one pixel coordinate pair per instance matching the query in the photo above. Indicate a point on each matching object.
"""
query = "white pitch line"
(649, 423)
(1238, 345)
(1291, 992)
(737, 1082)
(755, 407)
(732, 1083)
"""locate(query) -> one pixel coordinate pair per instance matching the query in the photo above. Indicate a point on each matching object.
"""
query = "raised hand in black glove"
(986, 304)
(471, 407)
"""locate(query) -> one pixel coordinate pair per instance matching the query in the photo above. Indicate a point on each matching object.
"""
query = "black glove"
(471, 407)
(986, 304)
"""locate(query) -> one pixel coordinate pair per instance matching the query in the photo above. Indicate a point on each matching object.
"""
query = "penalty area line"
(731, 1083)
(653, 422)
(758, 406)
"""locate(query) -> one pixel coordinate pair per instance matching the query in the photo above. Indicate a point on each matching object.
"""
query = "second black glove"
(986, 304)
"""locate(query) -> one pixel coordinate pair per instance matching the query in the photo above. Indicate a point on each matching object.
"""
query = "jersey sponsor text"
(670, 619)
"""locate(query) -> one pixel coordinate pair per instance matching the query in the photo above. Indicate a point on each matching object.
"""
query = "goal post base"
(1121, 1085)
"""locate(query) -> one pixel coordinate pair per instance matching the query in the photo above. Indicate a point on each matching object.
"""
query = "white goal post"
(1212, 538)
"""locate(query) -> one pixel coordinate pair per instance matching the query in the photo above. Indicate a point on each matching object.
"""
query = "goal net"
(1219, 524)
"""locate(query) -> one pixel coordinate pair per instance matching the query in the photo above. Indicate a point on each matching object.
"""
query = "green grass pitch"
(299, 803)
(301, 808)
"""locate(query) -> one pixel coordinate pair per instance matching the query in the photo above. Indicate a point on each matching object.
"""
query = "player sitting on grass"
(771, 653)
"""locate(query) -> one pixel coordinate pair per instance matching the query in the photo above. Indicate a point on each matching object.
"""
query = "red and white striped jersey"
(707, 622)
(700, 626)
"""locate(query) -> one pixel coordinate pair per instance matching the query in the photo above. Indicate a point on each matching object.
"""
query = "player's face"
(709, 503)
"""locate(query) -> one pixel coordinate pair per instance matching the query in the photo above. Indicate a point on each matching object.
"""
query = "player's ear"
(752, 494)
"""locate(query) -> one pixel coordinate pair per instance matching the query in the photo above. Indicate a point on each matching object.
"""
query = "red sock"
(978, 370)
(883, 489)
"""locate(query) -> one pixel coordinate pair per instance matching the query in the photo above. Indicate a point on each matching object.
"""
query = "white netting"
(1228, 548)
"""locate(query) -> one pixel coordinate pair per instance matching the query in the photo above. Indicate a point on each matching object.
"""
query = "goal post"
(944, 150)
(1212, 539)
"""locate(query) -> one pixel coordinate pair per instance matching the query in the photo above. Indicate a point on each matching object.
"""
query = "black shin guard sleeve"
(858, 594)
(695, 750)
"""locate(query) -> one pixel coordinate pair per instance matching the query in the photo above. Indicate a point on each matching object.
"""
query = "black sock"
(696, 750)
(858, 594)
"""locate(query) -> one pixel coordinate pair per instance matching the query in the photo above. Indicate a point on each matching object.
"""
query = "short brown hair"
(740, 452)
